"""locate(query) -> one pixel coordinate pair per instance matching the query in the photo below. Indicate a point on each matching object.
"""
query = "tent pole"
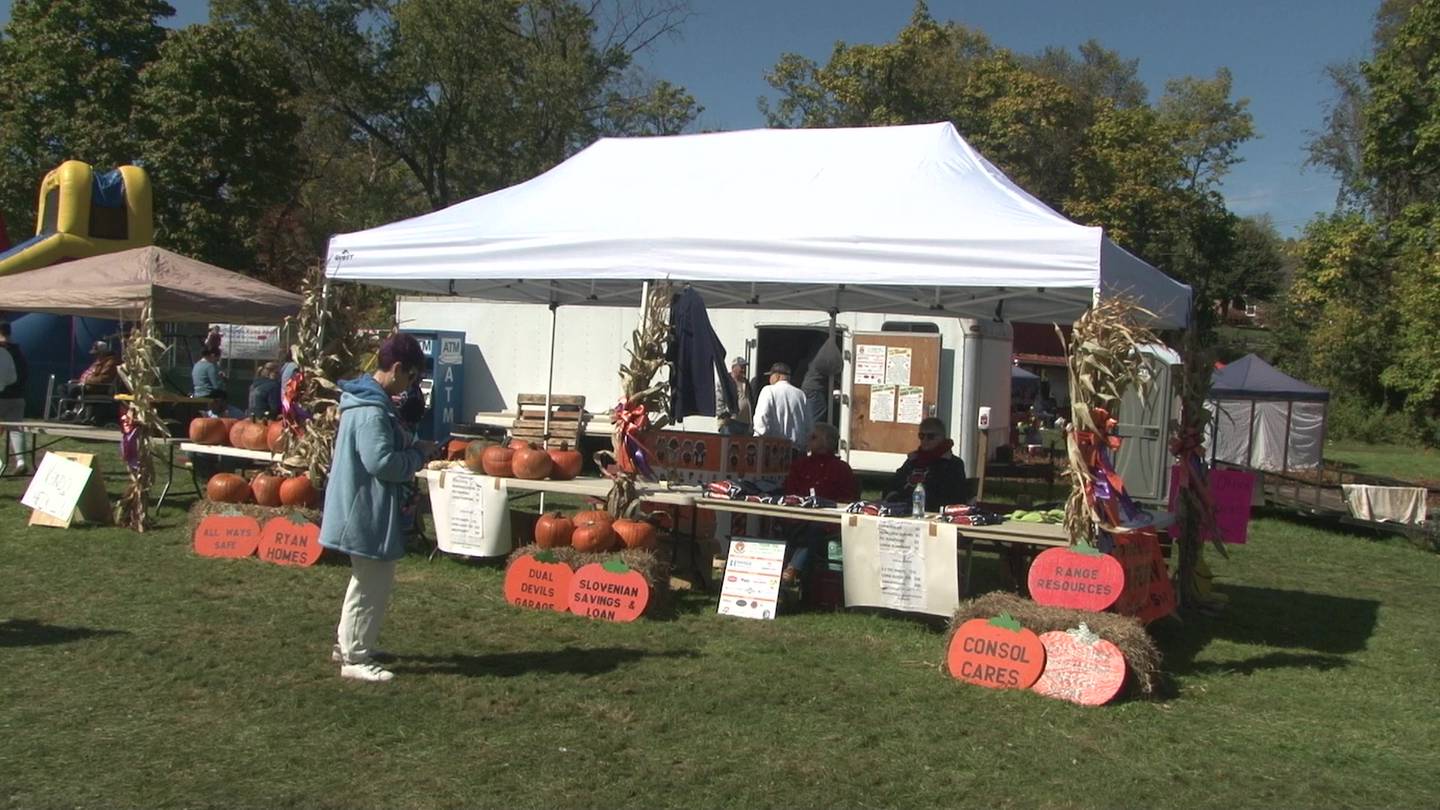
(1285, 457)
(550, 374)
(1250, 438)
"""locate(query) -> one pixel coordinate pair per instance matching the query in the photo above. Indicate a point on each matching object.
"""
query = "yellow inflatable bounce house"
(85, 213)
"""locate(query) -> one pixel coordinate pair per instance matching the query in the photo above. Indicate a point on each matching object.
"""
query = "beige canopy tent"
(118, 285)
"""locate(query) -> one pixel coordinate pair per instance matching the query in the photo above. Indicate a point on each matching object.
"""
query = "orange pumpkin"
(1080, 667)
(254, 433)
(518, 444)
(206, 430)
(236, 434)
(610, 590)
(635, 533)
(538, 581)
(1078, 577)
(495, 460)
(531, 463)
(278, 437)
(455, 449)
(997, 653)
(286, 542)
(298, 491)
(266, 489)
(593, 532)
(226, 536)
(553, 530)
(228, 488)
(565, 463)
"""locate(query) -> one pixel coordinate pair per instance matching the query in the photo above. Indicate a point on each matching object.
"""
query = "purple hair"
(403, 349)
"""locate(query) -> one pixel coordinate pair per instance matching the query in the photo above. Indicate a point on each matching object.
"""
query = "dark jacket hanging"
(698, 359)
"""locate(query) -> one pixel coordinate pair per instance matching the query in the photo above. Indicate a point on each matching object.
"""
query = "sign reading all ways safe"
(752, 578)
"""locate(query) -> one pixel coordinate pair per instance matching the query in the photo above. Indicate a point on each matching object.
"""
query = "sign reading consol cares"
(997, 653)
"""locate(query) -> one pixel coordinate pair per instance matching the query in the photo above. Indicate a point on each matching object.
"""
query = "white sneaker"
(373, 673)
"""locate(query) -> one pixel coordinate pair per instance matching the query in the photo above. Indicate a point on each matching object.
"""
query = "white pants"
(363, 611)
(13, 410)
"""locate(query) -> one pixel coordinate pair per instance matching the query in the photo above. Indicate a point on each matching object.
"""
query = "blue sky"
(1276, 50)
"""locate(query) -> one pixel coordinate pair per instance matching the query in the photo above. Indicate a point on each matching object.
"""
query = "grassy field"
(1407, 463)
(135, 674)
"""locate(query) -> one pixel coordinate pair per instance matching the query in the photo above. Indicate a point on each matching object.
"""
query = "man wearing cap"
(97, 378)
(738, 421)
(780, 410)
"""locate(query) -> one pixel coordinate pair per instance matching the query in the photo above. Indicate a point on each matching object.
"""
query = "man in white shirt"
(780, 410)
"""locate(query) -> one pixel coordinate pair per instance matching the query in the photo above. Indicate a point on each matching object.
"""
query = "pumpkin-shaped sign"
(1077, 577)
(1080, 667)
(226, 535)
(997, 653)
(538, 581)
(290, 541)
(610, 590)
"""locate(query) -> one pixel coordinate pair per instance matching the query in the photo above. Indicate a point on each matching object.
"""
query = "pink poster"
(1232, 491)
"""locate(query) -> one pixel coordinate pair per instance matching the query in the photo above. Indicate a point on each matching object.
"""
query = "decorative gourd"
(298, 491)
(531, 463)
(278, 436)
(610, 590)
(266, 489)
(495, 460)
(475, 456)
(1078, 577)
(236, 434)
(538, 581)
(566, 463)
(553, 529)
(207, 430)
(228, 488)
(593, 532)
(997, 653)
(635, 533)
(1080, 667)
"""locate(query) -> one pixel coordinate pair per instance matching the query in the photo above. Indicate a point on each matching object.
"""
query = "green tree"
(69, 70)
(214, 120)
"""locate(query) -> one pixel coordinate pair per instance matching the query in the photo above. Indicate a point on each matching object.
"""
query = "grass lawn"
(135, 674)
(1397, 461)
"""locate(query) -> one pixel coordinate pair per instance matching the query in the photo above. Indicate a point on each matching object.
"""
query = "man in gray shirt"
(205, 374)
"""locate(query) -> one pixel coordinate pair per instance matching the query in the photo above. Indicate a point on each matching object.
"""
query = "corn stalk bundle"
(643, 406)
(1104, 362)
(1195, 511)
(328, 345)
(140, 421)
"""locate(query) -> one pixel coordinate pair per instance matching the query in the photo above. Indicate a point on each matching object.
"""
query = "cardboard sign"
(1079, 577)
(610, 590)
(67, 487)
(752, 578)
(1080, 667)
(290, 541)
(1233, 492)
(997, 653)
(227, 536)
(1148, 594)
(538, 581)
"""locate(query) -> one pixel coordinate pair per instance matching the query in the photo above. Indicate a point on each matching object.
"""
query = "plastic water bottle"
(917, 501)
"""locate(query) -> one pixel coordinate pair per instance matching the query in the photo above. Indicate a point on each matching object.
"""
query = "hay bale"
(655, 570)
(202, 509)
(1125, 632)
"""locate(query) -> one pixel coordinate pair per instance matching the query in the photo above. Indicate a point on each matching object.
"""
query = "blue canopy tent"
(1266, 419)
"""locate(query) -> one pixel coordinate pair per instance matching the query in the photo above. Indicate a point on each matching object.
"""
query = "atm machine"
(442, 381)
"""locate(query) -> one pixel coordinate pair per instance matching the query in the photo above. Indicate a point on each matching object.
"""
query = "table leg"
(169, 477)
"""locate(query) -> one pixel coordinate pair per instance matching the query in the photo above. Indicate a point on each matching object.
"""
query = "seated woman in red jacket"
(824, 474)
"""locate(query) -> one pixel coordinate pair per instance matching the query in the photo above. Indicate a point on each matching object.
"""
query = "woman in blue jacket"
(374, 460)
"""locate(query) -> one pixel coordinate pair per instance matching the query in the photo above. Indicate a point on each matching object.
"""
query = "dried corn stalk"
(140, 422)
(644, 403)
(1104, 360)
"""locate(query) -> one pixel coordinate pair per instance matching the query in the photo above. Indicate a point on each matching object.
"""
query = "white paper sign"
(911, 405)
(901, 564)
(471, 512)
(752, 578)
(245, 342)
(57, 486)
(869, 365)
(882, 403)
(897, 365)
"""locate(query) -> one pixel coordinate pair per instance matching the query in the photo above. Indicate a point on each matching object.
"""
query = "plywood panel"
(889, 436)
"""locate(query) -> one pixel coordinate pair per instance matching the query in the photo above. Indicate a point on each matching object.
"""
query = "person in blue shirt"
(264, 399)
(374, 459)
(205, 375)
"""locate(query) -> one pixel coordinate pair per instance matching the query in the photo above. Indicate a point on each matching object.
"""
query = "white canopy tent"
(905, 219)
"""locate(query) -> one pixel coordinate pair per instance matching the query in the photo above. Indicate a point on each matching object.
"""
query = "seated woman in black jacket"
(942, 472)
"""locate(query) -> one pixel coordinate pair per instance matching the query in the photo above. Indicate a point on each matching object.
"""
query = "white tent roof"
(904, 219)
